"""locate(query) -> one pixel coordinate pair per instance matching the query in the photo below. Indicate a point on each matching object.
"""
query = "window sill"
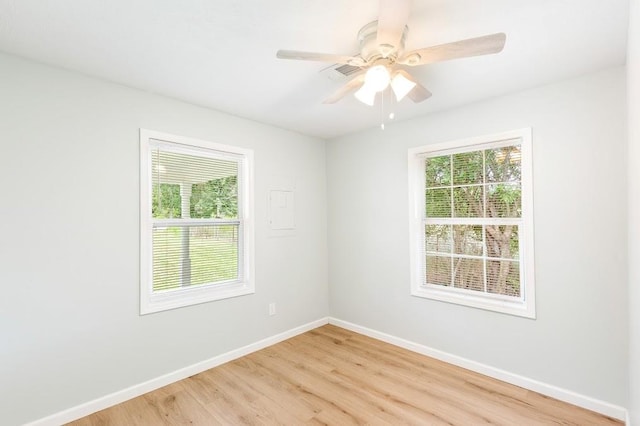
(512, 307)
(164, 301)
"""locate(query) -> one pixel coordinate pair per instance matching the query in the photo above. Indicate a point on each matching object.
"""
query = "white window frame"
(151, 301)
(523, 306)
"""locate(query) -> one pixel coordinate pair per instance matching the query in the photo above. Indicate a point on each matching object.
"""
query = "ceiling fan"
(382, 56)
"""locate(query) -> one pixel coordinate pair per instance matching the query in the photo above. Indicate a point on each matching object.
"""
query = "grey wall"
(633, 82)
(69, 325)
(579, 340)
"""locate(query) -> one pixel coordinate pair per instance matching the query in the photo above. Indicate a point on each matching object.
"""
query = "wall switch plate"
(272, 308)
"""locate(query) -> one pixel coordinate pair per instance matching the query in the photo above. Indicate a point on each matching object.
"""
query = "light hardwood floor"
(334, 376)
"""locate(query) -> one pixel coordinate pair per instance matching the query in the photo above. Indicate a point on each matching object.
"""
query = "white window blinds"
(195, 217)
(472, 215)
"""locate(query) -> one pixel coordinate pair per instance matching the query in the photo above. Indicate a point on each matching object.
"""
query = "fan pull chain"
(392, 100)
(392, 115)
(382, 110)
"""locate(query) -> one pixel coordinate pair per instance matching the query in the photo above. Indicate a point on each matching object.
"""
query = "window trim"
(151, 301)
(416, 168)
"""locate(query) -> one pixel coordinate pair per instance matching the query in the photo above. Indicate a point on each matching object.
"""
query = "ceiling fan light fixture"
(366, 95)
(401, 86)
(377, 78)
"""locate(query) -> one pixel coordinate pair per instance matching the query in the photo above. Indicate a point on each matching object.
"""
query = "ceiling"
(221, 53)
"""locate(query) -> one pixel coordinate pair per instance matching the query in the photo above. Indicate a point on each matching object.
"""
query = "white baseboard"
(565, 395)
(118, 397)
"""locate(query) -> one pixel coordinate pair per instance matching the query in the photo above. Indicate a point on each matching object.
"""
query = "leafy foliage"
(438, 202)
(217, 198)
(467, 168)
(438, 171)
(166, 201)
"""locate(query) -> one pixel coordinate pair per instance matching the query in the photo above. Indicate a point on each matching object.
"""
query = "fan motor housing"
(369, 48)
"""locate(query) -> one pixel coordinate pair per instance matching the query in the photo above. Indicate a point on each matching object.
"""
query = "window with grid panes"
(196, 221)
(472, 227)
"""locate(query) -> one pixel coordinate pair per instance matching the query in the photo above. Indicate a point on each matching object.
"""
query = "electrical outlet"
(272, 308)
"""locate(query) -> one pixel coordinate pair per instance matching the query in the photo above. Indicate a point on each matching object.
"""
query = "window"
(472, 222)
(196, 221)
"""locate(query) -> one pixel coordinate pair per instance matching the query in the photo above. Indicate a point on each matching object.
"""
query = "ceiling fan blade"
(392, 19)
(356, 61)
(484, 45)
(353, 84)
(419, 93)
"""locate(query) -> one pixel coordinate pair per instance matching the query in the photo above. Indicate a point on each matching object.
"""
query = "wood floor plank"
(408, 369)
(333, 376)
(440, 395)
(377, 385)
(279, 394)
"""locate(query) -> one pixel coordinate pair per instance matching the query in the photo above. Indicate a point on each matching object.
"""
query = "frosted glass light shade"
(401, 86)
(366, 95)
(377, 78)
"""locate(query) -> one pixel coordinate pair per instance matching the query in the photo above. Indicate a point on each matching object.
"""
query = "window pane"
(166, 201)
(196, 255)
(504, 200)
(467, 168)
(468, 202)
(438, 202)
(191, 185)
(502, 241)
(438, 238)
(503, 277)
(469, 274)
(217, 198)
(467, 239)
(438, 171)
(503, 164)
(438, 270)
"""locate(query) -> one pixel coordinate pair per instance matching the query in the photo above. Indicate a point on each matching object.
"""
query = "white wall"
(579, 340)
(633, 99)
(69, 325)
